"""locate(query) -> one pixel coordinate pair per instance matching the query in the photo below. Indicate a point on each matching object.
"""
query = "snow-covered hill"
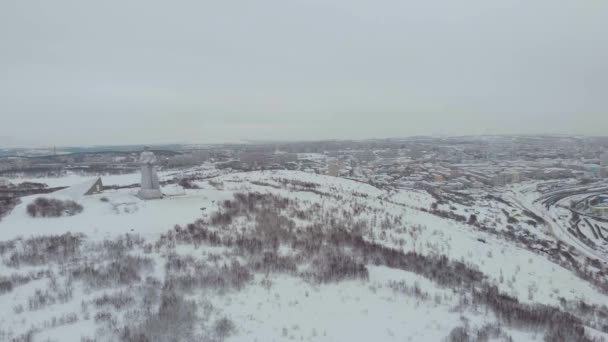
(280, 256)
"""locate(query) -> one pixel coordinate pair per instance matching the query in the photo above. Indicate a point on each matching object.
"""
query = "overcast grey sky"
(143, 71)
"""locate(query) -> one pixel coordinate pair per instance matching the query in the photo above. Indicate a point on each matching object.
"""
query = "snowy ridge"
(291, 300)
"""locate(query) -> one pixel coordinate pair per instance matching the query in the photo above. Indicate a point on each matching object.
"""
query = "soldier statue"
(150, 187)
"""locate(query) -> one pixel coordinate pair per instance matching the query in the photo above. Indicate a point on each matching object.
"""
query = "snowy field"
(279, 256)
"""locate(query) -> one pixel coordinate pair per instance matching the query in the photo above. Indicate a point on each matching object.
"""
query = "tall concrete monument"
(150, 187)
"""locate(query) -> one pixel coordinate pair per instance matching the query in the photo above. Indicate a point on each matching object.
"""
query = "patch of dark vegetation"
(223, 328)
(594, 315)
(272, 262)
(350, 252)
(447, 214)
(7, 246)
(7, 204)
(298, 183)
(332, 266)
(437, 268)
(187, 275)
(8, 283)
(55, 293)
(50, 207)
(41, 250)
(118, 300)
(472, 219)
(335, 252)
(125, 270)
(489, 332)
(559, 325)
(188, 183)
(244, 203)
(174, 320)
(117, 248)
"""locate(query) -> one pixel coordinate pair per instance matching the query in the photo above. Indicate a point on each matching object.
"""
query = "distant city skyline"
(150, 72)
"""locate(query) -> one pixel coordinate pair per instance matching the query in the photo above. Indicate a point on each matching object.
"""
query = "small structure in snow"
(91, 187)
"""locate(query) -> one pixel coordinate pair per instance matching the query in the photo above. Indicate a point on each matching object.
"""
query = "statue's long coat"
(149, 178)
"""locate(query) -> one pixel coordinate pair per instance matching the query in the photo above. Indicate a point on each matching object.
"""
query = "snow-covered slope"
(277, 256)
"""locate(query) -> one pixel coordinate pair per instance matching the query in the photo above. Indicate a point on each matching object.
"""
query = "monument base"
(150, 194)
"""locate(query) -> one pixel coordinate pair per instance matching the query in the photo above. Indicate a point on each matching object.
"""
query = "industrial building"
(600, 206)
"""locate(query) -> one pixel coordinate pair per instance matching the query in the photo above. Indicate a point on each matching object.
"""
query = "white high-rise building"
(604, 165)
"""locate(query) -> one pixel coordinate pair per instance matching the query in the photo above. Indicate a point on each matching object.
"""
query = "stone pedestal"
(149, 194)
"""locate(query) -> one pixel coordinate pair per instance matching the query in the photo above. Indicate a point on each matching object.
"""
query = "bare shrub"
(223, 328)
(221, 278)
(7, 205)
(50, 207)
(489, 332)
(40, 299)
(173, 321)
(298, 183)
(561, 326)
(459, 334)
(123, 271)
(38, 251)
(335, 266)
(414, 291)
(219, 185)
(270, 261)
(118, 301)
(188, 183)
(6, 285)
(26, 337)
(65, 319)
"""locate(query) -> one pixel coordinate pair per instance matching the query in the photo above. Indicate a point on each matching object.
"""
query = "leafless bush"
(298, 183)
(8, 283)
(55, 293)
(270, 261)
(459, 334)
(403, 288)
(333, 265)
(117, 300)
(40, 300)
(223, 328)
(65, 319)
(42, 250)
(117, 248)
(7, 246)
(26, 337)
(50, 207)
(217, 184)
(105, 316)
(272, 227)
(559, 325)
(123, 271)
(173, 321)
(489, 332)
(7, 205)
(196, 233)
(221, 278)
(188, 183)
